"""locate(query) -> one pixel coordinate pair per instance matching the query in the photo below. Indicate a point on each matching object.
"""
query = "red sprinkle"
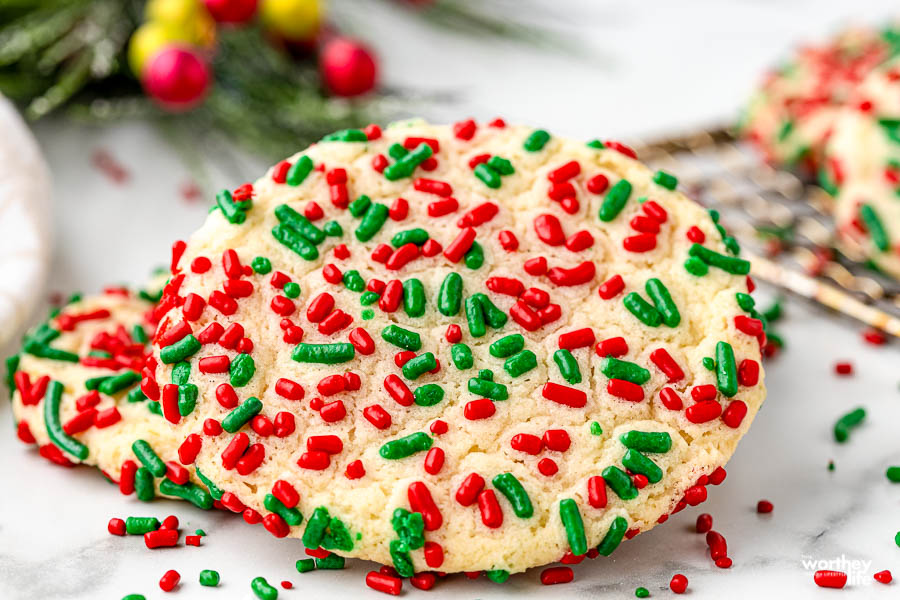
(169, 580)
(482, 408)
(562, 394)
(469, 489)
(764, 507)
(678, 584)
(611, 288)
(554, 575)
(625, 390)
(384, 583)
(161, 538)
(830, 579)
(597, 184)
(704, 522)
(843, 368)
(883, 576)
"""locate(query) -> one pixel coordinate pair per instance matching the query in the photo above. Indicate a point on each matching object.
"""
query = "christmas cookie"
(862, 170)
(792, 114)
(76, 394)
(476, 347)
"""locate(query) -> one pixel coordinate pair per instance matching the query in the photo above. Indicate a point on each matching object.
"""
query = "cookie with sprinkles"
(461, 348)
(792, 114)
(862, 171)
(77, 393)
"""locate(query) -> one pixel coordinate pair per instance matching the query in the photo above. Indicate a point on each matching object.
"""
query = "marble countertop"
(657, 68)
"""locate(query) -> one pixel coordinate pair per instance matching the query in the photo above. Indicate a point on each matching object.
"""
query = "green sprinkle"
(474, 258)
(291, 516)
(134, 597)
(536, 141)
(241, 414)
(636, 462)
(400, 557)
(359, 206)
(875, 226)
(613, 536)
(666, 180)
(418, 366)
(729, 264)
(181, 373)
(200, 532)
(135, 395)
(369, 298)
(333, 229)
(316, 528)
(325, 354)
(154, 407)
(520, 363)
(293, 240)
(659, 293)
(461, 355)
(568, 366)
(893, 474)
(413, 298)
(144, 453)
(331, 562)
(417, 236)
(507, 345)
(12, 365)
(368, 314)
(140, 525)
(449, 297)
(143, 485)
(354, 281)
(643, 310)
(619, 481)
(615, 200)
(209, 578)
(180, 350)
(488, 389)
(406, 446)
(241, 370)
(337, 537)
(497, 575)
(726, 369)
(372, 222)
(119, 382)
(501, 165)
(291, 289)
(305, 565)
(294, 220)
(745, 301)
(493, 316)
(261, 265)
(191, 492)
(403, 338)
(642, 592)
(486, 374)
(409, 527)
(405, 165)
(263, 590)
(596, 429)
(647, 441)
(397, 151)
(731, 244)
(475, 316)
(187, 398)
(428, 394)
(487, 175)
(847, 422)
(55, 432)
(346, 135)
(571, 520)
(231, 210)
(596, 145)
(622, 369)
(299, 171)
(708, 363)
(508, 485)
(696, 267)
(139, 335)
(94, 382)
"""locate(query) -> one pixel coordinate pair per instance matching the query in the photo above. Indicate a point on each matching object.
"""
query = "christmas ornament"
(231, 11)
(294, 20)
(186, 20)
(347, 67)
(177, 78)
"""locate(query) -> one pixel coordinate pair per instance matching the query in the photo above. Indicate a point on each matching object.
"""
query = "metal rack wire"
(783, 223)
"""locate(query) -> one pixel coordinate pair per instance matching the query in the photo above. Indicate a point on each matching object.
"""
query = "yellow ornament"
(146, 40)
(188, 19)
(295, 20)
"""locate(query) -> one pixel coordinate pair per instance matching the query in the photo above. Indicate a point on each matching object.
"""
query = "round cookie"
(791, 115)
(862, 171)
(76, 395)
(462, 348)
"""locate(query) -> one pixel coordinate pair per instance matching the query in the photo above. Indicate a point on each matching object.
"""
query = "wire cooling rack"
(783, 223)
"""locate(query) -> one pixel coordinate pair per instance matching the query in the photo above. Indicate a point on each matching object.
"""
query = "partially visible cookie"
(792, 114)
(862, 170)
(462, 348)
(76, 394)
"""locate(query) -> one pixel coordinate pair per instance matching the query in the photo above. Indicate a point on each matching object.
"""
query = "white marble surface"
(657, 66)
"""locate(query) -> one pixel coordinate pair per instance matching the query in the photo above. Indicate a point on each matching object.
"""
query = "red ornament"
(347, 67)
(231, 11)
(177, 78)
